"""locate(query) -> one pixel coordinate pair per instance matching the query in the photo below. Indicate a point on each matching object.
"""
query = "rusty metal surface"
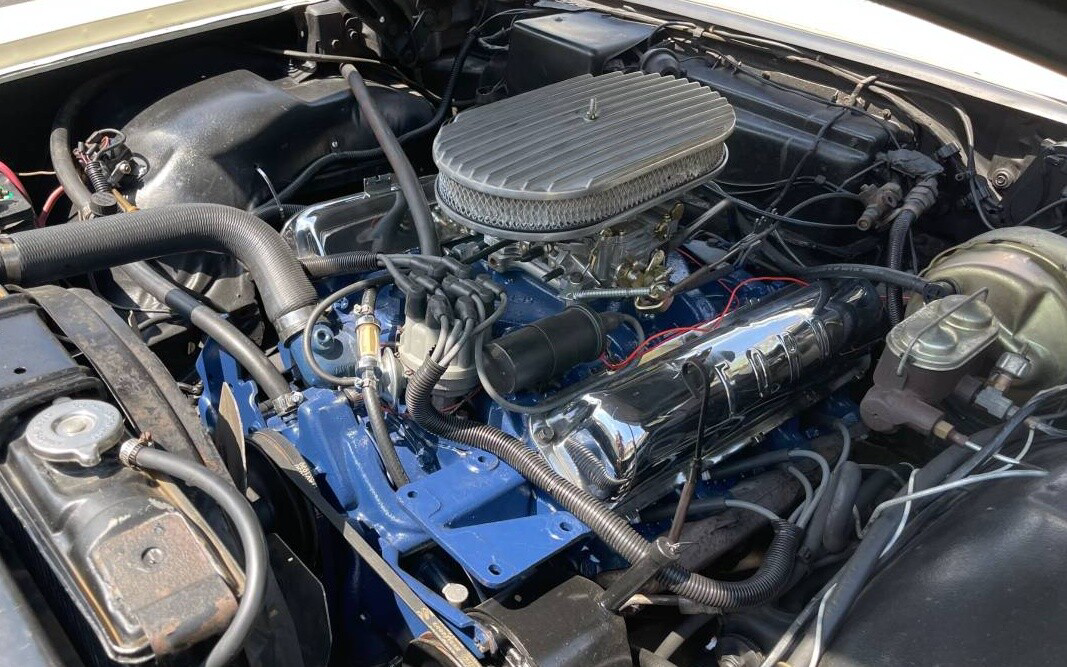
(160, 577)
(131, 556)
(133, 373)
(130, 562)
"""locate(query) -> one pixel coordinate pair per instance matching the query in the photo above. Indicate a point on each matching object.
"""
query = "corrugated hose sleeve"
(613, 529)
(49, 254)
(356, 261)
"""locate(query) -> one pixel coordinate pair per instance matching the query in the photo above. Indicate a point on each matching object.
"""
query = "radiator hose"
(45, 255)
(613, 529)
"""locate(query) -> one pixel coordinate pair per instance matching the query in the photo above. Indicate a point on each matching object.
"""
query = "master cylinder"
(995, 342)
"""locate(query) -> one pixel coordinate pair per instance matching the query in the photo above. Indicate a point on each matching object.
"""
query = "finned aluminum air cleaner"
(565, 160)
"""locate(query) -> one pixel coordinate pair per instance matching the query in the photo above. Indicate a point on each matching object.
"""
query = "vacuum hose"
(135, 454)
(918, 199)
(609, 526)
(406, 177)
(230, 338)
(45, 255)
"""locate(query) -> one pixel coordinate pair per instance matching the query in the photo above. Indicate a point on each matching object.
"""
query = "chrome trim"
(342, 224)
(766, 362)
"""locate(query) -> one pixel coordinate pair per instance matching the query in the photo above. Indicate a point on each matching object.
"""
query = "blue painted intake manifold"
(465, 516)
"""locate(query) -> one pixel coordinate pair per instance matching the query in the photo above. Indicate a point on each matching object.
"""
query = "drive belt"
(284, 455)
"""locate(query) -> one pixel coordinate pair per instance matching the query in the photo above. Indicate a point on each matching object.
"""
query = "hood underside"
(1032, 29)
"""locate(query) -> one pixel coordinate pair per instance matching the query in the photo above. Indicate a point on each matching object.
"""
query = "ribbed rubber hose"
(248, 530)
(921, 197)
(898, 239)
(48, 254)
(229, 337)
(589, 465)
(613, 529)
(323, 266)
(405, 175)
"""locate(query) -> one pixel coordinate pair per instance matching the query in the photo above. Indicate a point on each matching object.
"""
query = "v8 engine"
(536, 336)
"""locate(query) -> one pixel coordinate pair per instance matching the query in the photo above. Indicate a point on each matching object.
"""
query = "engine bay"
(529, 335)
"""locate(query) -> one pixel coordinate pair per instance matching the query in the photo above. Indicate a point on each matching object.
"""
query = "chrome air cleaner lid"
(560, 161)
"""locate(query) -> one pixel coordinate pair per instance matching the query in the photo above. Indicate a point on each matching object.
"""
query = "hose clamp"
(286, 403)
(11, 259)
(292, 323)
(130, 448)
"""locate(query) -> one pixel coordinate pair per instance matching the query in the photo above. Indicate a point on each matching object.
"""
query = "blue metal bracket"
(499, 530)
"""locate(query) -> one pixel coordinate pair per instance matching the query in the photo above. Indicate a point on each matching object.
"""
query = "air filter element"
(562, 161)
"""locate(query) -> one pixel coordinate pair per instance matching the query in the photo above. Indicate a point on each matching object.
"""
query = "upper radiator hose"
(605, 523)
(44, 255)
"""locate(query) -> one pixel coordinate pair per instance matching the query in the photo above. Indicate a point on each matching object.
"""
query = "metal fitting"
(617, 596)
(593, 112)
(129, 450)
(880, 201)
(943, 430)
(1010, 368)
(286, 403)
(993, 401)
(292, 323)
(10, 260)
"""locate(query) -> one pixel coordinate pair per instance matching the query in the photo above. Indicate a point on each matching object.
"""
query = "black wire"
(741, 68)
(806, 156)
(353, 60)
(319, 311)
(823, 197)
(1006, 430)
(486, 251)
(1041, 211)
(511, 12)
(735, 184)
(321, 163)
(752, 208)
(869, 168)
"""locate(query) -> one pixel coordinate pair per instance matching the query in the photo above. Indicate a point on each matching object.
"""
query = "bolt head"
(152, 556)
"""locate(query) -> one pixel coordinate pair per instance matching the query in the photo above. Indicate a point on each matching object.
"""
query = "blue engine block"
(461, 502)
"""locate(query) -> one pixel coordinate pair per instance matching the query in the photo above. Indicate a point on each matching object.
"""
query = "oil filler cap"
(75, 431)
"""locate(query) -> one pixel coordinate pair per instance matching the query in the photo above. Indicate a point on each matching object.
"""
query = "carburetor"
(578, 183)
